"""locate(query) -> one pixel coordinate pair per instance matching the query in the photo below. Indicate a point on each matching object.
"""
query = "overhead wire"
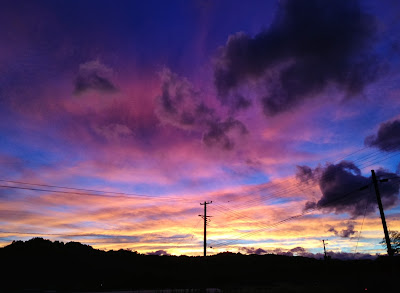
(270, 185)
(238, 215)
(305, 212)
(71, 188)
(292, 188)
(116, 195)
(248, 234)
(362, 223)
(371, 158)
(191, 232)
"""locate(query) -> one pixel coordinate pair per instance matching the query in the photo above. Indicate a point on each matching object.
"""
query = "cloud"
(339, 184)
(105, 238)
(279, 251)
(220, 133)
(158, 252)
(304, 174)
(300, 251)
(94, 75)
(305, 50)
(10, 165)
(348, 232)
(387, 138)
(252, 250)
(348, 255)
(114, 132)
(345, 233)
(240, 103)
(181, 106)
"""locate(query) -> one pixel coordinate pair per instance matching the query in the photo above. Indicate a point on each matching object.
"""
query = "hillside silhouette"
(38, 265)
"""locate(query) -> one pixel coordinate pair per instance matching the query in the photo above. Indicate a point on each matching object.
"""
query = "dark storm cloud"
(340, 186)
(387, 138)
(309, 45)
(94, 76)
(181, 106)
(345, 233)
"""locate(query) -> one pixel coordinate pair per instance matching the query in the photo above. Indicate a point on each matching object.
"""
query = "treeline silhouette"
(40, 265)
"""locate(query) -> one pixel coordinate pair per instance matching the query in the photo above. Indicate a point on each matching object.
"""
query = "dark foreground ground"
(43, 266)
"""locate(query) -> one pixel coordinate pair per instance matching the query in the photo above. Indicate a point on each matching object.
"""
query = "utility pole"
(325, 256)
(205, 225)
(378, 198)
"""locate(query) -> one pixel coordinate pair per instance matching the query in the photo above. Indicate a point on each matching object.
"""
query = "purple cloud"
(94, 75)
(300, 251)
(183, 107)
(344, 233)
(336, 181)
(304, 50)
(387, 138)
(158, 252)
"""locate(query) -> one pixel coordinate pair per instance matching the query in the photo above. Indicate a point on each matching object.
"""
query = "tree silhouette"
(394, 237)
(40, 265)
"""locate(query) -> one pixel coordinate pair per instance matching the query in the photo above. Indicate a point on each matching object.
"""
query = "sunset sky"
(118, 118)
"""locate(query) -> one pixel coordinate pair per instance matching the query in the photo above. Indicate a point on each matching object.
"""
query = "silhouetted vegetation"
(38, 265)
(394, 237)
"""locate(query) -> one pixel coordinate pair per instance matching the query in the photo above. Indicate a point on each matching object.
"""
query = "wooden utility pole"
(325, 256)
(205, 225)
(378, 198)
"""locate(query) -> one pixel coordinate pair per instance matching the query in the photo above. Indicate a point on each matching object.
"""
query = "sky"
(118, 118)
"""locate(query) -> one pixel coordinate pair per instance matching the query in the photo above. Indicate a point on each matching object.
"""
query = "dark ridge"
(40, 265)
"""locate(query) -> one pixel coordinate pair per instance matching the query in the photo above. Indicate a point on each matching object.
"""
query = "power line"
(362, 223)
(238, 215)
(270, 185)
(229, 242)
(71, 188)
(117, 195)
(324, 176)
(371, 158)
(251, 233)
(190, 232)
